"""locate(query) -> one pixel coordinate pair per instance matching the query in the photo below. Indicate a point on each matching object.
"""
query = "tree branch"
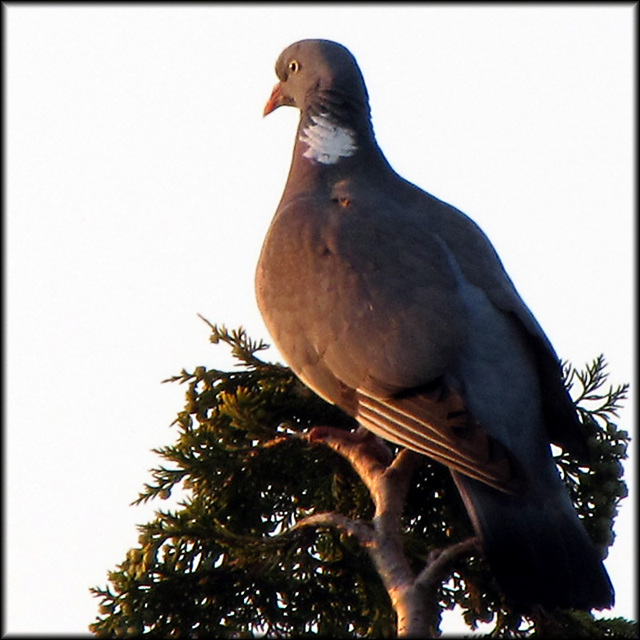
(365, 451)
(387, 479)
(439, 561)
(361, 530)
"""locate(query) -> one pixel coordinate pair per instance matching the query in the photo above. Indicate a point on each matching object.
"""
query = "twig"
(438, 563)
(361, 530)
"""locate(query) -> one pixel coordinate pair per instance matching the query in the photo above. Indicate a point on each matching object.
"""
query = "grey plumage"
(394, 305)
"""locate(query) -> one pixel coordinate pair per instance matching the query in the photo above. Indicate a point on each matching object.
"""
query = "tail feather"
(538, 549)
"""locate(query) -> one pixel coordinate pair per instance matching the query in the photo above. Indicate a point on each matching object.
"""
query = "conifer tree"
(293, 521)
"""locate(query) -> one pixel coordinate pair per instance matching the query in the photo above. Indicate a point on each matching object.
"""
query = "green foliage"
(228, 563)
(582, 624)
(597, 490)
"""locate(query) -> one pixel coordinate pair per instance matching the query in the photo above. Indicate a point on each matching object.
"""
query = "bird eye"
(294, 66)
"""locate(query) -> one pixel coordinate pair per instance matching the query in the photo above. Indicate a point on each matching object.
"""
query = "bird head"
(308, 67)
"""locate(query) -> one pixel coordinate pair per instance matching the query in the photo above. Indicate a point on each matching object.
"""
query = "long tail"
(537, 547)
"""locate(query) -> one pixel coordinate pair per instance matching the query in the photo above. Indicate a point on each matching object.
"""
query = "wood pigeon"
(394, 306)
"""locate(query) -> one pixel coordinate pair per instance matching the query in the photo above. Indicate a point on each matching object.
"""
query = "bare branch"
(361, 530)
(439, 560)
(406, 462)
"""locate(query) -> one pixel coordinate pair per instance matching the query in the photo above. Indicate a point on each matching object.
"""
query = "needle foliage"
(230, 562)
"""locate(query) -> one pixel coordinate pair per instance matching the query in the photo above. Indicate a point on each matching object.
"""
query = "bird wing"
(364, 302)
(481, 267)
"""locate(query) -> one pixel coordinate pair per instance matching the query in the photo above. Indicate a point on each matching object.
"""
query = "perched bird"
(394, 306)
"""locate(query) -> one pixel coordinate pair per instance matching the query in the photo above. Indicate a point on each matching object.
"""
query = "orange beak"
(274, 101)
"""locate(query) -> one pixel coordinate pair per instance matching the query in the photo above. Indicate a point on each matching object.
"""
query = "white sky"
(141, 179)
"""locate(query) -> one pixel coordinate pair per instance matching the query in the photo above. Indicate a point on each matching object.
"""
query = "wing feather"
(427, 423)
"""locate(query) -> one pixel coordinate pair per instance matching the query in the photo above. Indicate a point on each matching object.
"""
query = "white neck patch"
(327, 141)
